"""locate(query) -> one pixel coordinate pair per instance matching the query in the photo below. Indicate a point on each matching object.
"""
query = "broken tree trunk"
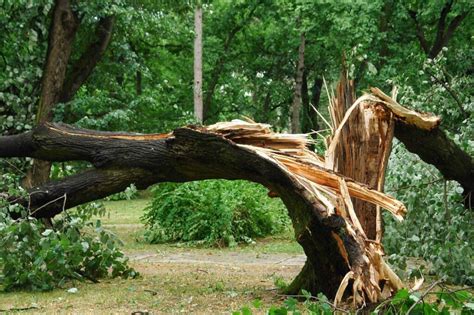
(319, 200)
(359, 148)
(239, 151)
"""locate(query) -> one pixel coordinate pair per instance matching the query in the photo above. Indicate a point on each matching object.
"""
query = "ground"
(174, 279)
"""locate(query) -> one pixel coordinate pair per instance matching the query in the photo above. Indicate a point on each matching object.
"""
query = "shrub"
(213, 212)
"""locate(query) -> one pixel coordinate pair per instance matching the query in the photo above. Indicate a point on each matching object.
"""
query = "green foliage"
(437, 227)
(38, 257)
(213, 213)
(251, 58)
(33, 257)
(315, 305)
(447, 302)
(131, 192)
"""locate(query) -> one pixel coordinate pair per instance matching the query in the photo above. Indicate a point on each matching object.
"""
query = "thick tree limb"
(83, 67)
(421, 135)
(435, 148)
(61, 36)
(55, 196)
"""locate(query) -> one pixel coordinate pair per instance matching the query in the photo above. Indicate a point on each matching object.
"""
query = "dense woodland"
(154, 66)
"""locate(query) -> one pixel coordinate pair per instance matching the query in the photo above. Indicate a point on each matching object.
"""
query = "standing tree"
(296, 105)
(198, 109)
(56, 86)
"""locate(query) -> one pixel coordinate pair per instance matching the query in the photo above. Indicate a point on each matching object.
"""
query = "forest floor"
(174, 279)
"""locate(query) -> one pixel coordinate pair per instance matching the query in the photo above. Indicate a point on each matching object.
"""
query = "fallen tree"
(342, 247)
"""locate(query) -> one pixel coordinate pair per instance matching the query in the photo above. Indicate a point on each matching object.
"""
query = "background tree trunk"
(198, 107)
(296, 105)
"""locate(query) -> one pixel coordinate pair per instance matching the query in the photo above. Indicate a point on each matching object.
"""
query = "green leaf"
(246, 310)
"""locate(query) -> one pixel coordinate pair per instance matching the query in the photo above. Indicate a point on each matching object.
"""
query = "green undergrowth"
(38, 255)
(213, 213)
(442, 302)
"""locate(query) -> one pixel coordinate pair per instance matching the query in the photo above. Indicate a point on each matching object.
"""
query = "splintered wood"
(336, 179)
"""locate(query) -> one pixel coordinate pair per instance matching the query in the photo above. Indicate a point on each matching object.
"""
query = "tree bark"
(138, 83)
(198, 107)
(61, 36)
(82, 68)
(310, 105)
(296, 105)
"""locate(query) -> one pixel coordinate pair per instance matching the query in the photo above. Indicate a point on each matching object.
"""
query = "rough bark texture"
(61, 36)
(296, 105)
(198, 109)
(83, 67)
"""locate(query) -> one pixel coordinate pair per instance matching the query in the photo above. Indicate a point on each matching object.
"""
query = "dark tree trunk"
(61, 36)
(55, 87)
(138, 83)
(305, 121)
(310, 118)
(296, 105)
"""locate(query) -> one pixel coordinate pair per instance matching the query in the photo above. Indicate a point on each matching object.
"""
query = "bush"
(213, 212)
(35, 257)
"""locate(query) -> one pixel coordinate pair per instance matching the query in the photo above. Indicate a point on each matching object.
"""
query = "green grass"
(125, 211)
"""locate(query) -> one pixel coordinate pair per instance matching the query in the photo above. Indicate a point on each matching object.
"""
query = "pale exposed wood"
(423, 121)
